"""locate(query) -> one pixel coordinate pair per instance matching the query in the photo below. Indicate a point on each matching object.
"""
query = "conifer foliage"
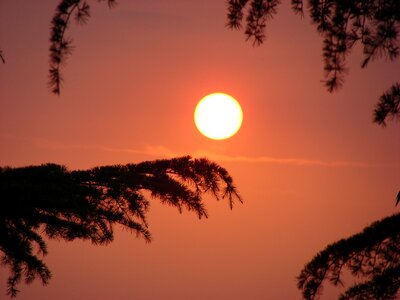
(60, 43)
(374, 24)
(372, 255)
(388, 106)
(51, 202)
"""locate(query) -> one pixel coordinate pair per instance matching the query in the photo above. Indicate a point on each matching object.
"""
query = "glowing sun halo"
(218, 116)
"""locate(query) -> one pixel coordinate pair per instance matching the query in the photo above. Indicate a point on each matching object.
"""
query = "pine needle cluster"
(51, 202)
(373, 24)
(61, 45)
(372, 256)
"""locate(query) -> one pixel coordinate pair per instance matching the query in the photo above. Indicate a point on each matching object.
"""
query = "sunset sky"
(311, 166)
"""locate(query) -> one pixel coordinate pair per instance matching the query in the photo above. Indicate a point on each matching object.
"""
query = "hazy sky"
(311, 166)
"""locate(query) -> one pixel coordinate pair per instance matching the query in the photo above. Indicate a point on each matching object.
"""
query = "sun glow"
(218, 116)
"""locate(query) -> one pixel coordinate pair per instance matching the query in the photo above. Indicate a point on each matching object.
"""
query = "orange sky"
(311, 166)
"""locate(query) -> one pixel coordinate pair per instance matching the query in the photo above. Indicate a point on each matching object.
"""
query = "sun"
(218, 116)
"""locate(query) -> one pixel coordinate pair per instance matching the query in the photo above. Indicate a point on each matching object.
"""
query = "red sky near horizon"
(311, 166)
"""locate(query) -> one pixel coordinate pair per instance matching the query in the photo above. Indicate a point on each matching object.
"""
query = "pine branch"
(388, 106)
(235, 13)
(374, 24)
(50, 201)
(60, 45)
(259, 12)
(383, 286)
(373, 254)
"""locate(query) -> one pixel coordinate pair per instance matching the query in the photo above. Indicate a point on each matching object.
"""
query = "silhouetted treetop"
(372, 255)
(374, 24)
(50, 201)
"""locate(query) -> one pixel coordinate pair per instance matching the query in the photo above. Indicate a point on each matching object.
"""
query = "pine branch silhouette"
(60, 45)
(398, 198)
(49, 201)
(373, 24)
(388, 106)
(372, 255)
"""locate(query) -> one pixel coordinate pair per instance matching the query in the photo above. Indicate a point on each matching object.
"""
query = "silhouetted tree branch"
(259, 12)
(372, 255)
(48, 201)
(88, 204)
(60, 45)
(388, 106)
(398, 198)
(374, 24)
(2, 57)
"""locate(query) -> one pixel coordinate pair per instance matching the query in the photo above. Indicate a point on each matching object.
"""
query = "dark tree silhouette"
(2, 57)
(373, 254)
(48, 201)
(374, 24)
(87, 204)
(388, 106)
(60, 44)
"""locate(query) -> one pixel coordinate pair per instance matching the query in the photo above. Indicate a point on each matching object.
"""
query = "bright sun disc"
(218, 116)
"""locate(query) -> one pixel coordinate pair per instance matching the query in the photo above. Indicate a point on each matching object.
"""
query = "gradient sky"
(311, 166)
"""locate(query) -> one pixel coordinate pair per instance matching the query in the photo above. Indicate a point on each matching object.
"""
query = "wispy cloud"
(165, 152)
(162, 151)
